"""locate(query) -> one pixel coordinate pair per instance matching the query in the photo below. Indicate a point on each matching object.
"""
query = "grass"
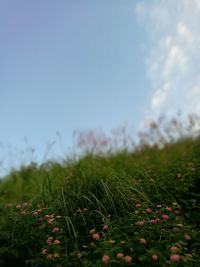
(139, 208)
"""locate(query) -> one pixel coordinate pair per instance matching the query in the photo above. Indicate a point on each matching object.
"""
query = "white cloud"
(173, 63)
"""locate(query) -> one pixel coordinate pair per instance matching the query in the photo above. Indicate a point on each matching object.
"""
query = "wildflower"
(56, 255)
(153, 221)
(165, 217)
(105, 227)
(154, 257)
(128, 259)
(148, 210)
(173, 248)
(140, 223)
(142, 241)
(175, 258)
(187, 237)
(35, 214)
(51, 221)
(168, 209)
(49, 257)
(138, 206)
(55, 229)
(44, 251)
(111, 241)
(78, 255)
(19, 206)
(159, 206)
(119, 255)
(122, 243)
(178, 175)
(49, 240)
(57, 242)
(96, 236)
(92, 231)
(40, 219)
(105, 259)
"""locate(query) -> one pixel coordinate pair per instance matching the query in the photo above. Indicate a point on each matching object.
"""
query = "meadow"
(110, 207)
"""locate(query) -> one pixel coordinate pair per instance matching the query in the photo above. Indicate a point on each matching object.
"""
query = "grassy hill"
(138, 208)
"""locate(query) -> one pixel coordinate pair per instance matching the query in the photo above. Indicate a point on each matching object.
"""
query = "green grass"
(144, 204)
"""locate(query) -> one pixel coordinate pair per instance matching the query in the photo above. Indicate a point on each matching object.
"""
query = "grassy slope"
(95, 190)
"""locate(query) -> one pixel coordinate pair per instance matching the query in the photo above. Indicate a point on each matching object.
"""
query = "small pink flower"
(122, 243)
(40, 219)
(96, 236)
(57, 242)
(35, 214)
(105, 227)
(140, 223)
(44, 251)
(187, 237)
(105, 259)
(175, 258)
(153, 221)
(165, 217)
(55, 229)
(168, 209)
(173, 248)
(19, 206)
(128, 259)
(154, 257)
(142, 241)
(49, 257)
(119, 256)
(48, 241)
(92, 231)
(50, 221)
(56, 255)
(148, 210)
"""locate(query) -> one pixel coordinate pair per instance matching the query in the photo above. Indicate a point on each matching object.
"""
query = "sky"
(70, 65)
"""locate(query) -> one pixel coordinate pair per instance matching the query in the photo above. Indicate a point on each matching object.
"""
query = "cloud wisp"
(173, 62)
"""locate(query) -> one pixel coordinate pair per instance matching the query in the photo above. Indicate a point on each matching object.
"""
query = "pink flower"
(105, 259)
(187, 237)
(175, 257)
(154, 257)
(165, 217)
(49, 240)
(140, 223)
(92, 231)
(168, 209)
(19, 206)
(105, 227)
(153, 221)
(55, 229)
(96, 236)
(173, 248)
(56, 255)
(148, 210)
(142, 241)
(128, 259)
(119, 256)
(44, 251)
(57, 242)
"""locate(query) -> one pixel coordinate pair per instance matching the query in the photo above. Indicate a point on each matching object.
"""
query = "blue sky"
(73, 65)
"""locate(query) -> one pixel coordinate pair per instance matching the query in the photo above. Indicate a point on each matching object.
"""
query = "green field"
(139, 208)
